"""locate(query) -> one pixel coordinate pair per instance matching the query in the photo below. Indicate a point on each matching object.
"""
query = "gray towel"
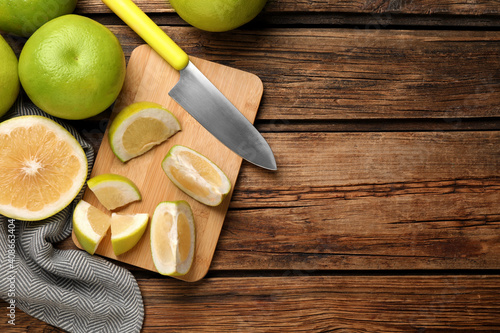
(69, 289)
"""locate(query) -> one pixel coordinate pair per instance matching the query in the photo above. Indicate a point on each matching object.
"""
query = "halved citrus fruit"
(89, 225)
(196, 175)
(127, 230)
(114, 191)
(139, 127)
(173, 238)
(42, 168)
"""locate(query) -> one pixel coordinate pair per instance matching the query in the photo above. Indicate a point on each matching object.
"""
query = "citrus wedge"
(89, 225)
(196, 175)
(42, 168)
(114, 191)
(173, 238)
(139, 127)
(127, 230)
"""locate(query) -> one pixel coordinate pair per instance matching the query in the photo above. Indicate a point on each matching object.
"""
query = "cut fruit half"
(89, 225)
(196, 175)
(127, 230)
(42, 168)
(139, 127)
(114, 191)
(173, 238)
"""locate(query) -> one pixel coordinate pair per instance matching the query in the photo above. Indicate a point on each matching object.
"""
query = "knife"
(196, 94)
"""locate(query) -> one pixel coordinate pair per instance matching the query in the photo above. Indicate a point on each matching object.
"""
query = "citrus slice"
(114, 191)
(196, 175)
(9, 79)
(127, 230)
(173, 238)
(42, 168)
(139, 127)
(89, 225)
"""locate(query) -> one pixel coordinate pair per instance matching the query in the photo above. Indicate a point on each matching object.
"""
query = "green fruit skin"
(58, 67)
(129, 111)
(9, 80)
(24, 17)
(96, 180)
(87, 244)
(217, 15)
(120, 246)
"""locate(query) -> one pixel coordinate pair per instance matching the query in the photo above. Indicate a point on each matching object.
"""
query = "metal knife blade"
(202, 100)
(196, 94)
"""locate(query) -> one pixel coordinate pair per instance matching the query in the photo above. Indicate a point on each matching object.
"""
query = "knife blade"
(196, 94)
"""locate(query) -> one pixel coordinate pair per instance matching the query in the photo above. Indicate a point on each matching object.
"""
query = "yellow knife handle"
(136, 19)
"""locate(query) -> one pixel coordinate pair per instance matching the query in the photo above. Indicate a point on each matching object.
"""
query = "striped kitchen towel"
(69, 289)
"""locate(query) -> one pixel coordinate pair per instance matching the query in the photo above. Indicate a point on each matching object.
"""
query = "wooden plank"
(379, 125)
(401, 231)
(372, 20)
(427, 7)
(351, 159)
(314, 304)
(305, 303)
(423, 200)
(362, 74)
(375, 201)
(326, 74)
(368, 201)
(346, 74)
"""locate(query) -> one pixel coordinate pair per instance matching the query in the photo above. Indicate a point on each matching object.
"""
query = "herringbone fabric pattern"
(69, 289)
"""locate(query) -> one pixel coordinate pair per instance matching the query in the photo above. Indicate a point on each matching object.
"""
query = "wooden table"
(384, 215)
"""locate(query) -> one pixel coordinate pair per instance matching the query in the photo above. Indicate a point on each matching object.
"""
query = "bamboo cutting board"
(150, 78)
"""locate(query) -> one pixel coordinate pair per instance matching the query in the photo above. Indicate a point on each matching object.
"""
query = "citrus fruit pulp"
(42, 168)
(114, 191)
(72, 67)
(89, 225)
(127, 230)
(9, 80)
(196, 175)
(139, 127)
(173, 238)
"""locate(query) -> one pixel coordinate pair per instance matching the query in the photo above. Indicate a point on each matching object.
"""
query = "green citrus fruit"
(217, 15)
(72, 67)
(9, 81)
(24, 17)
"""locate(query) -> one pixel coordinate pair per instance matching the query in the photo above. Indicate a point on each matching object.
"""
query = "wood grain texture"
(341, 74)
(421, 200)
(301, 302)
(375, 201)
(427, 7)
(387, 140)
(149, 78)
(346, 74)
